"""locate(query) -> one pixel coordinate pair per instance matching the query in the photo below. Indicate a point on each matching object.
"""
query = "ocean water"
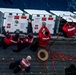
(40, 4)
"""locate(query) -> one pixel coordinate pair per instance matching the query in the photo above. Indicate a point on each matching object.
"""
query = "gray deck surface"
(65, 47)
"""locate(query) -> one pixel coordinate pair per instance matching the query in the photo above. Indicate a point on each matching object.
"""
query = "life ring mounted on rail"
(42, 55)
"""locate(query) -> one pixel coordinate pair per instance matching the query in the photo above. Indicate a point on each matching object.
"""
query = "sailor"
(71, 70)
(69, 28)
(10, 40)
(16, 38)
(44, 38)
(25, 42)
(21, 65)
(29, 28)
(7, 40)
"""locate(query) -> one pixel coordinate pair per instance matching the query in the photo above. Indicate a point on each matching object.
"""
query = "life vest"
(8, 41)
(16, 41)
(24, 64)
(43, 39)
(28, 40)
(70, 31)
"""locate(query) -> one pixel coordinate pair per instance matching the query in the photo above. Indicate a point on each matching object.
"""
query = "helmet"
(28, 57)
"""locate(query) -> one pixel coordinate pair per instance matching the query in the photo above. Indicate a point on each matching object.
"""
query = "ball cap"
(28, 57)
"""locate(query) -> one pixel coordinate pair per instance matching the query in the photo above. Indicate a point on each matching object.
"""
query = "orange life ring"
(42, 55)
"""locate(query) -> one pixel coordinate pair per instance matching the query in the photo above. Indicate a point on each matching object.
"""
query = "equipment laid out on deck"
(13, 19)
(61, 18)
(39, 16)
